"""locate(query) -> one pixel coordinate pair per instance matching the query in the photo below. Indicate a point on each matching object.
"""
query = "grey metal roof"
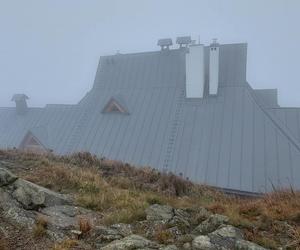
(235, 140)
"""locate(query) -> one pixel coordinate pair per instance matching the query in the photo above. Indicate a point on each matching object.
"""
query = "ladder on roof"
(73, 142)
(168, 161)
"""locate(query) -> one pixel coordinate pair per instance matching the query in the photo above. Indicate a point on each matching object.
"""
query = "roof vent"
(165, 43)
(183, 41)
(21, 103)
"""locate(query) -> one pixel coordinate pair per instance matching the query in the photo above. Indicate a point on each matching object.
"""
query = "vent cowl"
(21, 103)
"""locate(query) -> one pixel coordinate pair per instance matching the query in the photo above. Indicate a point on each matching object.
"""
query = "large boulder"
(210, 224)
(33, 197)
(130, 243)
(6, 177)
(158, 212)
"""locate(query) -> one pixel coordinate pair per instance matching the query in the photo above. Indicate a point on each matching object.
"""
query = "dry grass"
(122, 192)
(84, 225)
(65, 245)
(40, 227)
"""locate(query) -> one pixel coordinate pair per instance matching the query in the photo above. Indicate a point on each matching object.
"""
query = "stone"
(186, 238)
(123, 229)
(203, 214)
(12, 210)
(131, 242)
(187, 246)
(202, 242)
(6, 177)
(180, 219)
(247, 245)
(158, 212)
(169, 247)
(210, 224)
(33, 197)
(102, 234)
(226, 236)
(228, 232)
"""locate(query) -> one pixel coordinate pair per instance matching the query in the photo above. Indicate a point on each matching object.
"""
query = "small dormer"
(21, 103)
(115, 106)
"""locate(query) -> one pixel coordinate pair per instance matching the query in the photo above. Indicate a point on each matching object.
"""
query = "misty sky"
(49, 49)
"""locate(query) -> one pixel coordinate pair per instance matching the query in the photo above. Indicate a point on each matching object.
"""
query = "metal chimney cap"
(19, 97)
(214, 42)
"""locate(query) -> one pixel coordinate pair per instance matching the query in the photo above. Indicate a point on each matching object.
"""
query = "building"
(186, 108)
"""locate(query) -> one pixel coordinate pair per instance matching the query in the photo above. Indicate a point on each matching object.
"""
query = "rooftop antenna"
(199, 39)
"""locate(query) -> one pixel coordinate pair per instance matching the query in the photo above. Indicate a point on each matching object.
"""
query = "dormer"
(115, 106)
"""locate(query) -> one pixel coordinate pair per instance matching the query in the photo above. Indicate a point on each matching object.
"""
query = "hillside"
(82, 202)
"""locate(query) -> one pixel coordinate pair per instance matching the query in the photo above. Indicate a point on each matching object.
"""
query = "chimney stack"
(195, 76)
(213, 67)
(21, 103)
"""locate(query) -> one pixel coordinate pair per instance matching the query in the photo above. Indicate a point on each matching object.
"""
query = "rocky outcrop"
(23, 202)
(165, 227)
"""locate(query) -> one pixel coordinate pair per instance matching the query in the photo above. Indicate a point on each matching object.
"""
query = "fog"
(50, 49)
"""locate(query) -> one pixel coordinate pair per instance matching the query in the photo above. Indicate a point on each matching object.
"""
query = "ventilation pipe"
(21, 103)
(213, 67)
(195, 71)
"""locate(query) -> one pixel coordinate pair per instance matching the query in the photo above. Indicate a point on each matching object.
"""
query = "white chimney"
(195, 71)
(214, 68)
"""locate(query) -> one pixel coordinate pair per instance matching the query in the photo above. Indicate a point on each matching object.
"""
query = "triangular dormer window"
(31, 143)
(114, 106)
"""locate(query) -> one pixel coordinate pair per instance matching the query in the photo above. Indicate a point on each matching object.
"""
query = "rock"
(247, 245)
(203, 214)
(159, 213)
(210, 224)
(226, 236)
(6, 177)
(228, 232)
(65, 217)
(186, 238)
(169, 247)
(33, 197)
(12, 210)
(76, 233)
(102, 235)
(187, 246)
(123, 229)
(202, 242)
(180, 219)
(131, 242)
